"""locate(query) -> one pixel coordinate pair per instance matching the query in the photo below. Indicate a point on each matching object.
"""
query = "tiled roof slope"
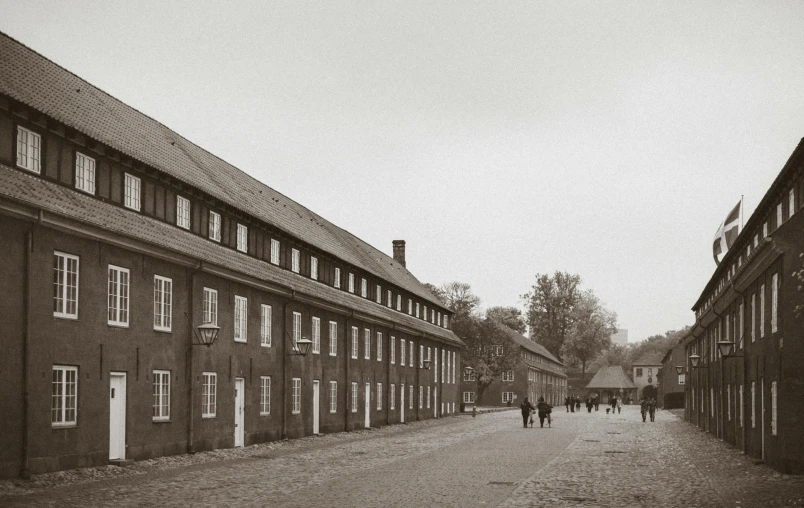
(538, 349)
(53, 198)
(32, 79)
(650, 358)
(610, 377)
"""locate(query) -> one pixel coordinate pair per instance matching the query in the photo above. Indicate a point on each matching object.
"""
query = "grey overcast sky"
(499, 139)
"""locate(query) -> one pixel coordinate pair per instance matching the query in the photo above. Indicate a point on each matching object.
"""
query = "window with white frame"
(84, 173)
(411, 361)
(453, 367)
(449, 357)
(118, 296)
(266, 322)
(265, 395)
(392, 397)
(421, 356)
(773, 408)
(163, 303)
(29, 149)
(351, 283)
(378, 294)
(363, 288)
(65, 285)
(132, 192)
(741, 406)
(390, 298)
(295, 258)
(210, 306)
(417, 311)
(392, 349)
(765, 229)
(507, 397)
(791, 205)
(753, 404)
(333, 396)
(752, 331)
(297, 331)
(424, 311)
(366, 344)
(435, 363)
(64, 396)
(399, 303)
(774, 303)
(438, 319)
(242, 238)
(402, 352)
(779, 218)
(313, 267)
(337, 278)
(354, 342)
(274, 251)
(379, 396)
(468, 374)
(241, 319)
(410, 397)
(354, 397)
(739, 331)
(432, 316)
(215, 227)
(410, 307)
(421, 396)
(333, 338)
(209, 395)
(316, 335)
(428, 397)
(468, 397)
(296, 395)
(761, 311)
(445, 321)
(182, 212)
(161, 395)
(379, 346)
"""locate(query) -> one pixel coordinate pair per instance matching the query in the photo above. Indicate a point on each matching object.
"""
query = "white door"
(762, 415)
(402, 403)
(368, 405)
(240, 399)
(315, 406)
(117, 416)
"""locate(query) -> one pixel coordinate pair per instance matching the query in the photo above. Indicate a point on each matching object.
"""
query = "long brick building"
(120, 237)
(752, 399)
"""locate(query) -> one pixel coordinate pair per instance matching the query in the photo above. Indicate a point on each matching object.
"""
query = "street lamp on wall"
(695, 360)
(205, 334)
(679, 369)
(426, 364)
(301, 347)
(727, 349)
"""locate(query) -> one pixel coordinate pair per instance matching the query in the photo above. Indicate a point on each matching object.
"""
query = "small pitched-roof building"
(671, 383)
(611, 381)
(646, 370)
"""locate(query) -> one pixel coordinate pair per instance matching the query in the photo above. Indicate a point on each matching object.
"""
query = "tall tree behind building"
(508, 316)
(590, 334)
(550, 304)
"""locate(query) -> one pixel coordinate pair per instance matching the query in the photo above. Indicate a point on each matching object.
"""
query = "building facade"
(646, 370)
(671, 383)
(537, 374)
(752, 399)
(120, 238)
(609, 382)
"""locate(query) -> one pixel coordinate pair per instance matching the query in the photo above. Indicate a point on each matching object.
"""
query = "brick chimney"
(399, 251)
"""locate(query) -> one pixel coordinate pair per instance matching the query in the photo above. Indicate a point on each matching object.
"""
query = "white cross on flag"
(727, 233)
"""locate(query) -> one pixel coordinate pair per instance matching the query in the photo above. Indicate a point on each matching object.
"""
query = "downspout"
(25, 471)
(285, 365)
(347, 385)
(189, 359)
(745, 374)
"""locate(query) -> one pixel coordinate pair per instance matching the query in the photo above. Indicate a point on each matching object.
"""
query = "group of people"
(542, 408)
(573, 403)
(648, 406)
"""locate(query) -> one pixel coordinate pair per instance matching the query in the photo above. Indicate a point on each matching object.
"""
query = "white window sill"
(208, 417)
(65, 316)
(242, 341)
(117, 325)
(160, 419)
(163, 330)
(69, 425)
(265, 414)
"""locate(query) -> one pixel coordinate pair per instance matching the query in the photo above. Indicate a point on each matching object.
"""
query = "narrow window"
(752, 331)
(417, 311)
(449, 357)
(313, 267)
(118, 296)
(753, 404)
(65, 285)
(242, 238)
(765, 229)
(354, 342)
(337, 279)
(379, 396)
(378, 294)
(363, 288)
(333, 338)
(392, 349)
(402, 346)
(161, 395)
(421, 396)
(741, 325)
(266, 318)
(132, 192)
(421, 356)
(411, 360)
(297, 331)
(333, 396)
(379, 346)
(84, 173)
(265, 395)
(241, 319)
(390, 299)
(410, 307)
(64, 398)
(211, 306)
(215, 228)
(762, 311)
(274, 251)
(773, 408)
(428, 397)
(296, 395)
(446, 324)
(354, 397)
(410, 396)
(366, 344)
(392, 397)
(163, 303)
(425, 313)
(791, 206)
(209, 395)
(29, 149)
(438, 320)
(774, 302)
(351, 283)
(295, 256)
(779, 218)
(316, 336)
(183, 212)
(399, 303)
(454, 362)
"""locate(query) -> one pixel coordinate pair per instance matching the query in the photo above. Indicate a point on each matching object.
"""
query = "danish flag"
(727, 232)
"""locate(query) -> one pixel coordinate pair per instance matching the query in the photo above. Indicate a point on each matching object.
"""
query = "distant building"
(609, 382)
(671, 383)
(620, 338)
(646, 371)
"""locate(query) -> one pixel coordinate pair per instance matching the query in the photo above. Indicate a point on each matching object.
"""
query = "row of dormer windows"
(29, 156)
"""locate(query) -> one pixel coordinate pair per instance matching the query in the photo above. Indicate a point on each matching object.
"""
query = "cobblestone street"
(584, 460)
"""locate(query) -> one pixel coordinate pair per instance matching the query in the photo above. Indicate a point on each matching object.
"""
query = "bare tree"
(459, 298)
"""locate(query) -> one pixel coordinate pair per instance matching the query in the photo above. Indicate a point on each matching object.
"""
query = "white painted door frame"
(402, 403)
(367, 422)
(117, 415)
(316, 406)
(240, 412)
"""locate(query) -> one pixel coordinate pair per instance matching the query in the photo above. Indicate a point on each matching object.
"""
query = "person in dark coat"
(544, 412)
(652, 409)
(572, 403)
(526, 408)
(596, 401)
(643, 408)
(577, 403)
(588, 404)
(567, 402)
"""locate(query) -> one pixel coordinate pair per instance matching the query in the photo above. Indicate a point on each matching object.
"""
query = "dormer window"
(379, 294)
(399, 303)
(351, 283)
(363, 288)
(410, 306)
(274, 251)
(84, 173)
(29, 149)
(313, 267)
(183, 212)
(337, 281)
(242, 238)
(132, 192)
(295, 256)
(390, 301)
(214, 226)
(417, 310)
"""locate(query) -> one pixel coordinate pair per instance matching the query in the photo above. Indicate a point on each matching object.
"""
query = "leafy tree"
(550, 305)
(508, 316)
(592, 327)
(459, 298)
(489, 352)
(436, 291)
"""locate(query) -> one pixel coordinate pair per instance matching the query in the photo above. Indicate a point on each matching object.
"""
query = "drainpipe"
(285, 366)
(745, 375)
(25, 471)
(347, 386)
(189, 359)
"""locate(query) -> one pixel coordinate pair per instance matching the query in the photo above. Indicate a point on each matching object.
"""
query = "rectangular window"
(274, 251)
(392, 397)
(337, 279)
(753, 404)
(508, 376)
(313, 268)
(379, 346)
(333, 396)
(367, 344)
(209, 395)
(316, 336)
(507, 397)
(752, 331)
(354, 397)
(449, 369)
(211, 306)
(421, 396)
(215, 227)
(132, 192)
(266, 318)
(417, 311)
(773, 408)
(410, 397)
(774, 303)
(295, 257)
(411, 361)
(241, 319)
(446, 325)
(118, 296)
(379, 396)
(297, 331)
(469, 397)
(296, 395)
(64, 398)
(389, 301)
(421, 356)
(242, 238)
(740, 325)
(428, 397)
(351, 283)
(65, 285)
(438, 319)
(765, 229)
(84, 173)
(333, 338)
(363, 288)
(265, 395)
(354, 342)
(182, 212)
(410, 307)
(762, 311)
(402, 351)
(29, 149)
(163, 303)
(779, 218)
(161, 395)
(791, 206)
(399, 303)
(378, 294)
(392, 349)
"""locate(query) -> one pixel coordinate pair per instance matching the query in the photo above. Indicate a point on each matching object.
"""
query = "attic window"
(29, 149)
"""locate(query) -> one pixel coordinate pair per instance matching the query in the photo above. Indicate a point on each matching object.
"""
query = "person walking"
(619, 405)
(596, 400)
(572, 403)
(613, 404)
(544, 412)
(652, 409)
(578, 403)
(526, 408)
(643, 408)
(567, 402)
(588, 404)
